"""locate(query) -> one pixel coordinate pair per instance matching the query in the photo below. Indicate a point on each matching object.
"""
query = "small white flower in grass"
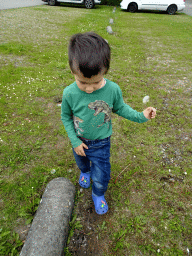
(109, 30)
(185, 173)
(158, 250)
(188, 251)
(146, 99)
(169, 170)
(53, 171)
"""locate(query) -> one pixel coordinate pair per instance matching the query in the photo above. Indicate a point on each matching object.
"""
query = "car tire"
(132, 7)
(89, 4)
(52, 2)
(172, 9)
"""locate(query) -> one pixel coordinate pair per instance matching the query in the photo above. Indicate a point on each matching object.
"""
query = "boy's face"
(89, 85)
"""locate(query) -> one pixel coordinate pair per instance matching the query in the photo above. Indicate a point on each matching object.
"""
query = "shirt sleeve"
(122, 109)
(67, 119)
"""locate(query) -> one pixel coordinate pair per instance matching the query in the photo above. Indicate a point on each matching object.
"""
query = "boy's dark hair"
(89, 53)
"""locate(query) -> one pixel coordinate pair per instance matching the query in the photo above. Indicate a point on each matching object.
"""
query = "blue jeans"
(96, 161)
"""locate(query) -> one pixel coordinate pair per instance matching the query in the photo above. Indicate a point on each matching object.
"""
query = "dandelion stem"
(121, 173)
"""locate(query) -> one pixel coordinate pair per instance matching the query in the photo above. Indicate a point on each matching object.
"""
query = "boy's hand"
(149, 113)
(79, 150)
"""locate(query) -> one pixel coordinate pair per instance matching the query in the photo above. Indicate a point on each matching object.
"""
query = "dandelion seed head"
(53, 171)
(146, 99)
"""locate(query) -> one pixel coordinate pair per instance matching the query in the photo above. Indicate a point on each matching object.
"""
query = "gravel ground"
(10, 4)
(188, 7)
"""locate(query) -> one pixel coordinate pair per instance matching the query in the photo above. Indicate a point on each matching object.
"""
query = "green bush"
(111, 2)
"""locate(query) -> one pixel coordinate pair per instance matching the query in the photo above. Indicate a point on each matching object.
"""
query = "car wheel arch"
(171, 9)
(132, 7)
(53, 2)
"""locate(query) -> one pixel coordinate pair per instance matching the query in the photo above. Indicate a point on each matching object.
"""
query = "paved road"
(9, 4)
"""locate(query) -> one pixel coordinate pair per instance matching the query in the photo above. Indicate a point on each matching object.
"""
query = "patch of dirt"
(17, 61)
(85, 241)
(22, 229)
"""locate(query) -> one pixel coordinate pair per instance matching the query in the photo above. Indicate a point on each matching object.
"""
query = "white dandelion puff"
(53, 171)
(146, 99)
(109, 30)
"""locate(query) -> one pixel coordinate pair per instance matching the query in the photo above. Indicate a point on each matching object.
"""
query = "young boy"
(86, 110)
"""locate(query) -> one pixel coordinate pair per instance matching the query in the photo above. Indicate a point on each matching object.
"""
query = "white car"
(89, 4)
(171, 6)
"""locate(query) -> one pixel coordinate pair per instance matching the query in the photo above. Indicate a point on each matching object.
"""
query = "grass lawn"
(150, 192)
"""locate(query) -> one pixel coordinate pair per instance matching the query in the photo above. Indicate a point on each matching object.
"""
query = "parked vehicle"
(170, 6)
(89, 4)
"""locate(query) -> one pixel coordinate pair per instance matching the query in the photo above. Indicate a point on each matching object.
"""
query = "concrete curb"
(49, 230)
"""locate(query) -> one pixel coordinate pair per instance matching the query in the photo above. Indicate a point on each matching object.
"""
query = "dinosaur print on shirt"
(100, 106)
(76, 121)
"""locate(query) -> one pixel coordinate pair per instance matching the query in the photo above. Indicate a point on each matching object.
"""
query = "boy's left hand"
(149, 113)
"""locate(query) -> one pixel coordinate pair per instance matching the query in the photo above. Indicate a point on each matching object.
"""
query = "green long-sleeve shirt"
(89, 115)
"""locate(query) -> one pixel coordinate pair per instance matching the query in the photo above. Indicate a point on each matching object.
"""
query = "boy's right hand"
(79, 150)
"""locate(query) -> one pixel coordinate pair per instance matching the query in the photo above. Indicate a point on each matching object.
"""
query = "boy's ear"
(72, 72)
(105, 71)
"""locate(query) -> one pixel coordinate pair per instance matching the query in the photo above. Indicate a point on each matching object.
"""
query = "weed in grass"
(74, 224)
(7, 247)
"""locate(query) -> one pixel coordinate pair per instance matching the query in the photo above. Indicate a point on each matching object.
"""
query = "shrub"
(111, 2)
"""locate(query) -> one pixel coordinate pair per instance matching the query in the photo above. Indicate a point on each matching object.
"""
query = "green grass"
(149, 214)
